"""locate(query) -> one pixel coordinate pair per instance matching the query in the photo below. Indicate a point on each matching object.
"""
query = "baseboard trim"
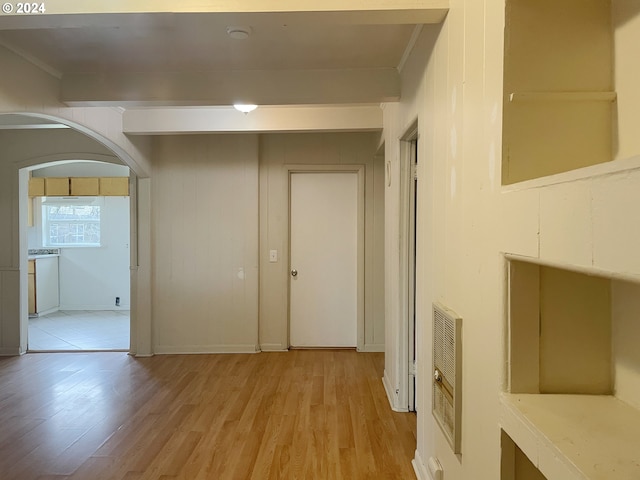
(203, 349)
(391, 395)
(273, 347)
(419, 467)
(373, 348)
(10, 351)
(110, 307)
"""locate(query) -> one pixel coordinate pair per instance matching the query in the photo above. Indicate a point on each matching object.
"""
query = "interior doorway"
(411, 263)
(408, 255)
(323, 259)
(78, 250)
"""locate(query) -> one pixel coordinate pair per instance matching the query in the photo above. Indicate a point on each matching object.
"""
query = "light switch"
(273, 256)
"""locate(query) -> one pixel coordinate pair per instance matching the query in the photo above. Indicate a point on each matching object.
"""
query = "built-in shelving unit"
(572, 405)
(571, 110)
(582, 437)
(559, 91)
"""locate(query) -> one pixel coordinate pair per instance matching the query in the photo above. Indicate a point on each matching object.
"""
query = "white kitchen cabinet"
(44, 290)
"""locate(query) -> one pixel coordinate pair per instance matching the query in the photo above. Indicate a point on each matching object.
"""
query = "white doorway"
(86, 241)
(324, 259)
(412, 182)
(408, 253)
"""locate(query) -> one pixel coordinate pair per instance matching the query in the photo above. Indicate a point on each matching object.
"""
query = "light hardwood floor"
(290, 415)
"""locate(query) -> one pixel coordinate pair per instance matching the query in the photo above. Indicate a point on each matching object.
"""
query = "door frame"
(408, 351)
(23, 169)
(360, 171)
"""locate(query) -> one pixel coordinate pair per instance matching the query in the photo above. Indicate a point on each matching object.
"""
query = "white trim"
(372, 347)
(585, 269)
(273, 347)
(45, 67)
(10, 351)
(386, 383)
(360, 170)
(417, 30)
(419, 467)
(277, 118)
(110, 307)
(48, 311)
(406, 287)
(204, 349)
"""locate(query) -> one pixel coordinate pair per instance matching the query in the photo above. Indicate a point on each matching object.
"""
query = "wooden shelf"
(562, 97)
(567, 437)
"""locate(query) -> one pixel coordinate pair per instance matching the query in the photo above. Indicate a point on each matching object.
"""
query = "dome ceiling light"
(239, 32)
(244, 108)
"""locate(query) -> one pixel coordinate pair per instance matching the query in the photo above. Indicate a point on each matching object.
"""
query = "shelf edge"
(562, 96)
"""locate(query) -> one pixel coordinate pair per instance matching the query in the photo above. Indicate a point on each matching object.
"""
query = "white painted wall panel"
(92, 278)
(565, 223)
(277, 151)
(625, 298)
(205, 244)
(616, 228)
(520, 212)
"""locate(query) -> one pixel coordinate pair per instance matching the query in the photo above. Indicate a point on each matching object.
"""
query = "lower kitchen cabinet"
(44, 293)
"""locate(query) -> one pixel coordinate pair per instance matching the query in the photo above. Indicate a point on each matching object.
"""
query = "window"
(71, 222)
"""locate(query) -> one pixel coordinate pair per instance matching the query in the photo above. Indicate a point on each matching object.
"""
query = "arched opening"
(39, 145)
(78, 251)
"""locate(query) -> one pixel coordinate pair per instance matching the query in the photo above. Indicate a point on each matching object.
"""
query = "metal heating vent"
(447, 363)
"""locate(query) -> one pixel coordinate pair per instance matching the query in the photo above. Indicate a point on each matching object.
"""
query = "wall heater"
(447, 377)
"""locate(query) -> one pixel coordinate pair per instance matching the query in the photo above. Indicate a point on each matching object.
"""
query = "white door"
(324, 259)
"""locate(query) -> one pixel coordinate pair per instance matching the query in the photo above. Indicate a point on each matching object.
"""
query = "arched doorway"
(29, 141)
(78, 251)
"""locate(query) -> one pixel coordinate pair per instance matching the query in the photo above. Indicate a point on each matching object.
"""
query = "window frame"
(47, 202)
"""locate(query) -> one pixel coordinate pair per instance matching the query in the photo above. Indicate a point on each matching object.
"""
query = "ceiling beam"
(261, 87)
(167, 121)
(65, 12)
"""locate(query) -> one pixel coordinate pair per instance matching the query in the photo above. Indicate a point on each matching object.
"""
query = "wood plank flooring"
(317, 414)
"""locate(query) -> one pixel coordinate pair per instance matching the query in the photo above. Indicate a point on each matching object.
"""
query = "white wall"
(21, 149)
(452, 84)
(205, 243)
(626, 331)
(92, 277)
(26, 88)
(467, 220)
(276, 152)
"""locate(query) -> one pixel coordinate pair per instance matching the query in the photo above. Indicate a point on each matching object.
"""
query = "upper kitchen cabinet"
(56, 187)
(570, 77)
(79, 186)
(114, 186)
(36, 187)
(84, 186)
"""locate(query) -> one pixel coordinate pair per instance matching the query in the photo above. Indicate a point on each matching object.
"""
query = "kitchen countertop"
(35, 253)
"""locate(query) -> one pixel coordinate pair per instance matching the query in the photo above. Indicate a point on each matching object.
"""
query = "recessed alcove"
(570, 86)
(514, 463)
(572, 403)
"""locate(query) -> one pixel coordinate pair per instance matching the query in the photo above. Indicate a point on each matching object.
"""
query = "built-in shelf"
(573, 393)
(559, 88)
(567, 437)
(562, 97)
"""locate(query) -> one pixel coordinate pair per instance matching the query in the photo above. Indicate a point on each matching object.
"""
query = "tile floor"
(80, 330)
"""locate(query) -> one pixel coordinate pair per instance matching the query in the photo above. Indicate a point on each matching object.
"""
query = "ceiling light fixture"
(239, 33)
(244, 108)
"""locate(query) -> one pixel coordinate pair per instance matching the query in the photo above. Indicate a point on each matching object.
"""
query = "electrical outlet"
(117, 301)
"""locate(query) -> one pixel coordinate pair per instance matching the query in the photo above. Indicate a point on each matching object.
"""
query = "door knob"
(294, 273)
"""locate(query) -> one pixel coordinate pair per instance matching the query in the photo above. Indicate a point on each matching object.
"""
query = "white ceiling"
(141, 59)
(195, 42)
